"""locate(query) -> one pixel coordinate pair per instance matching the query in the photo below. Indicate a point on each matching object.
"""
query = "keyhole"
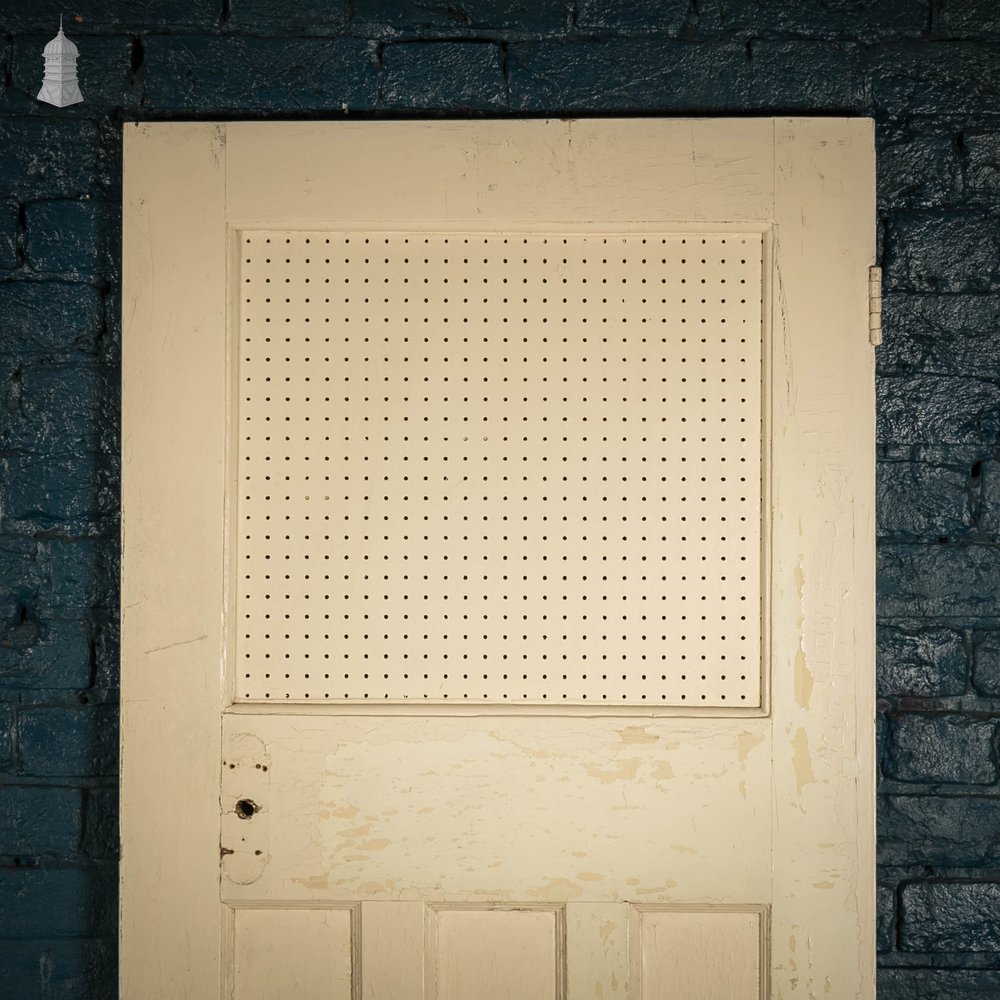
(245, 808)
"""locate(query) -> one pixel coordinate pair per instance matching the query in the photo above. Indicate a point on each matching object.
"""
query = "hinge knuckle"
(875, 306)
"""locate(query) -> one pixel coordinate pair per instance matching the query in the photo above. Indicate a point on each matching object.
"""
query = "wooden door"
(497, 601)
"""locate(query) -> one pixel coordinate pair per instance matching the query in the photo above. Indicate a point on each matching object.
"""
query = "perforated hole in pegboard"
(500, 469)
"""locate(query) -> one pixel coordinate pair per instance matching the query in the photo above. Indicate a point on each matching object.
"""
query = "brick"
(66, 236)
(941, 334)
(443, 76)
(57, 657)
(938, 581)
(629, 76)
(950, 917)
(885, 916)
(784, 76)
(22, 573)
(241, 75)
(945, 831)
(56, 902)
(38, 822)
(59, 969)
(937, 984)
(928, 78)
(9, 226)
(7, 725)
(104, 69)
(47, 158)
(921, 252)
(632, 16)
(275, 17)
(99, 16)
(924, 493)
(924, 663)
(917, 166)
(48, 316)
(60, 408)
(981, 174)
(986, 663)
(943, 749)
(100, 837)
(967, 19)
(866, 21)
(82, 574)
(108, 649)
(65, 492)
(78, 741)
(939, 409)
(989, 509)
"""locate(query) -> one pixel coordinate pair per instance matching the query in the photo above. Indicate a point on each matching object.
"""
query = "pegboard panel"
(499, 469)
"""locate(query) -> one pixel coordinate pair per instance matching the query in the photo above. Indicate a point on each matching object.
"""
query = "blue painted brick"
(104, 69)
(100, 835)
(986, 663)
(934, 251)
(37, 822)
(604, 17)
(941, 334)
(982, 165)
(924, 492)
(47, 158)
(100, 16)
(242, 75)
(56, 656)
(966, 19)
(938, 581)
(937, 984)
(443, 76)
(44, 492)
(56, 902)
(950, 917)
(943, 749)
(867, 20)
(783, 76)
(79, 578)
(9, 226)
(65, 236)
(59, 969)
(277, 17)
(47, 316)
(107, 650)
(78, 741)
(628, 76)
(917, 166)
(924, 662)
(885, 914)
(8, 717)
(925, 78)
(938, 409)
(989, 512)
(386, 19)
(60, 408)
(23, 574)
(938, 831)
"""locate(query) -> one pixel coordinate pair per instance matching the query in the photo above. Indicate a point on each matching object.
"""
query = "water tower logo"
(60, 87)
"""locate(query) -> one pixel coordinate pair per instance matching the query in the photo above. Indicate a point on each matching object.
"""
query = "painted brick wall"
(928, 70)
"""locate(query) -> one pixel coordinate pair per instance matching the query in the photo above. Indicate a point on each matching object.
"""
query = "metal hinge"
(875, 306)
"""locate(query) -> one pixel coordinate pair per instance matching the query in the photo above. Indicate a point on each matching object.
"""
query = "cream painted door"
(497, 597)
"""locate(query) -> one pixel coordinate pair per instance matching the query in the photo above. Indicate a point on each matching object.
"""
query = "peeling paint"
(637, 734)
(623, 770)
(557, 889)
(802, 761)
(803, 680)
(745, 742)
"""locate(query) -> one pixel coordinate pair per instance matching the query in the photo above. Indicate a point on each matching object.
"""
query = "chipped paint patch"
(557, 889)
(802, 761)
(803, 680)
(663, 771)
(745, 742)
(623, 770)
(637, 734)
(589, 877)
(313, 882)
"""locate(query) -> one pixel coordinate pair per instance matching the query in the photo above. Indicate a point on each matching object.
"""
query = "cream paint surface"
(477, 809)
(588, 816)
